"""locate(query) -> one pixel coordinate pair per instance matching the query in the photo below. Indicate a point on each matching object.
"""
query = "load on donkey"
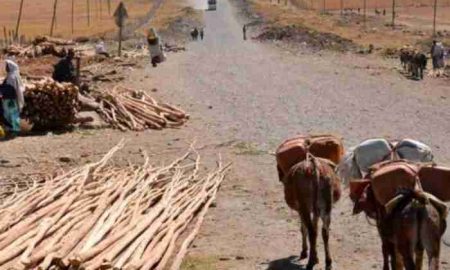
(306, 167)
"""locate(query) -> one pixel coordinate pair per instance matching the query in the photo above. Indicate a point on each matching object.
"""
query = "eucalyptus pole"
(19, 17)
(393, 13)
(434, 18)
(52, 26)
(88, 7)
(73, 9)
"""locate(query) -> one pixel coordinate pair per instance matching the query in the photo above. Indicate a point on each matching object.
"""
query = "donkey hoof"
(303, 255)
(311, 264)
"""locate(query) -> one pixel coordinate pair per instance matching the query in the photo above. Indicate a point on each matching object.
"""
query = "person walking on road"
(244, 31)
(201, 33)
(437, 55)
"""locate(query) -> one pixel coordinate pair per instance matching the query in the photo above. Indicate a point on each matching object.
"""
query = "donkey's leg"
(325, 236)
(304, 253)
(311, 226)
(419, 257)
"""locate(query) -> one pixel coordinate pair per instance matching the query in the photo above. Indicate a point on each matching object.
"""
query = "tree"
(19, 17)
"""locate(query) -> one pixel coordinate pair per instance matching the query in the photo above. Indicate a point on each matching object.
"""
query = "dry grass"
(377, 32)
(37, 16)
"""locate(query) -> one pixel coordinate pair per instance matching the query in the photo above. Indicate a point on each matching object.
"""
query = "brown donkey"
(311, 188)
(418, 223)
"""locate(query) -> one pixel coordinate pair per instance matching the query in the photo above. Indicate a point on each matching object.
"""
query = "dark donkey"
(311, 188)
(418, 223)
(411, 222)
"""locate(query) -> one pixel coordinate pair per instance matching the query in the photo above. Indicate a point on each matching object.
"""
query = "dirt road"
(245, 98)
(254, 95)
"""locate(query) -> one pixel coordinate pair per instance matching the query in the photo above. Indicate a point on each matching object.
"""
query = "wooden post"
(77, 79)
(109, 7)
(365, 17)
(52, 26)
(19, 17)
(324, 6)
(342, 7)
(5, 35)
(88, 13)
(120, 41)
(434, 18)
(393, 14)
(73, 8)
(101, 9)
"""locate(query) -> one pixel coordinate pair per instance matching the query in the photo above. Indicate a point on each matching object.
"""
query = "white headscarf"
(13, 78)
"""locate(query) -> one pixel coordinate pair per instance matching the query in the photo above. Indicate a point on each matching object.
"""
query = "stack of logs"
(130, 110)
(40, 46)
(103, 217)
(49, 104)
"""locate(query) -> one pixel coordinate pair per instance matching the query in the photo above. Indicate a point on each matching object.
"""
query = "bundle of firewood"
(103, 217)
(49, 104)
(139, 111)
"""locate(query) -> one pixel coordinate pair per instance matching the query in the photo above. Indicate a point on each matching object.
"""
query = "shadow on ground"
(289, 263)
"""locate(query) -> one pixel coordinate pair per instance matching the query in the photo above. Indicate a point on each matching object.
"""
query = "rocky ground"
(244, 98)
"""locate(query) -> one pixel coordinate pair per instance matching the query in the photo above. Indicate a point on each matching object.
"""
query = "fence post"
(393, 14)
(5, 36)
(434, 18)
(52, 26)
(88, 13)
(72, 11)
(19, 17)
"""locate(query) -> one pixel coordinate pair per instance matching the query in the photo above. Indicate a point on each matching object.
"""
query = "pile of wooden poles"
(49, 104)
(40, 46)
(103, 217)
(130, 110)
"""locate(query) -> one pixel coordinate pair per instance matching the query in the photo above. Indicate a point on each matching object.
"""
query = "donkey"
(418, 223)
(311, 188)
(408, 224)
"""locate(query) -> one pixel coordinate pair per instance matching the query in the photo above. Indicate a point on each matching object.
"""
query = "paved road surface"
(258, 95)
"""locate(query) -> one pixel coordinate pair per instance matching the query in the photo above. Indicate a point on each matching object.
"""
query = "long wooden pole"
(120, 40)
(53, 17)
(88, 13)
(19, 17)
(342, 7)
(393, 13)
(365, 17)
(434, 17)
(73, 8)
(109, 7)
(5, 34)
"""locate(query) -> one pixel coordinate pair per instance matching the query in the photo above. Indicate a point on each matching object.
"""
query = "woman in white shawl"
(12, 96)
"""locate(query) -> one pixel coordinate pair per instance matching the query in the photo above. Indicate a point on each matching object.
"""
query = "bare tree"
(52, 26)
(19, 17)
